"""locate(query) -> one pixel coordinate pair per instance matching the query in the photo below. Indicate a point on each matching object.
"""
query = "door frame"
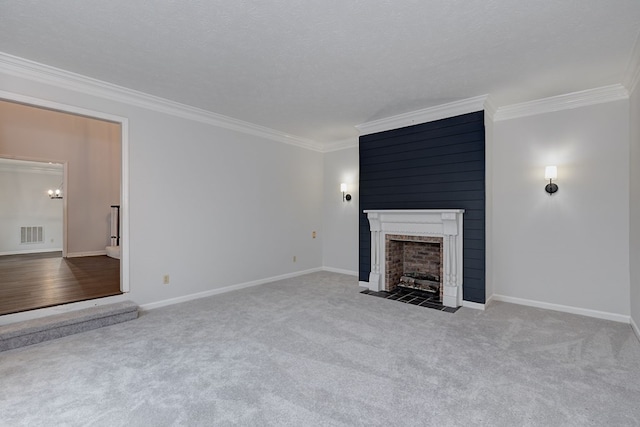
(124, 179)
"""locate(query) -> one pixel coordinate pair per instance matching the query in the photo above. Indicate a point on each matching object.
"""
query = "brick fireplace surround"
(412, 255)
(430, 226)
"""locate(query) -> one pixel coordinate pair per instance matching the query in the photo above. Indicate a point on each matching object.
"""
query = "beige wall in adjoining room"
(91, 148)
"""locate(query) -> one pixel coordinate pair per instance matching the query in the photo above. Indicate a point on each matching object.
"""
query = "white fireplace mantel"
(444, 223)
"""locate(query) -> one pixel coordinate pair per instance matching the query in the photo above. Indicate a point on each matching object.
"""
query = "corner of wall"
(634, 194)
(488, 209)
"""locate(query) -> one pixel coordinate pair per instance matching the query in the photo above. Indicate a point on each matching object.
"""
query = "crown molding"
(343, 144)
(46, 74)
(424, 115)
(562, 102)
(632, 73)
(490, 108)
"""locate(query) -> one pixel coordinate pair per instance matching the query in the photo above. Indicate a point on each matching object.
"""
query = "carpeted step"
(59, 325)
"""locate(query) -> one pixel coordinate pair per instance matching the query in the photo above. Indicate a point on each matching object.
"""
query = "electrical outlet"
(313, 234)
(294, 258)
(165, 279)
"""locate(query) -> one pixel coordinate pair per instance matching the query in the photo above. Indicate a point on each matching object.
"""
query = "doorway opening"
(74, 266)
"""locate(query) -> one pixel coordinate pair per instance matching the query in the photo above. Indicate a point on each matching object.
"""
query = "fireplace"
(421, 249)
(413, 262)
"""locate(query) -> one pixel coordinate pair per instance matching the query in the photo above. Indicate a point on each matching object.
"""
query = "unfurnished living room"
(320, 213)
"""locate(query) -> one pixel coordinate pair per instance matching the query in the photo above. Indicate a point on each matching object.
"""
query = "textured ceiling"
(317, 68)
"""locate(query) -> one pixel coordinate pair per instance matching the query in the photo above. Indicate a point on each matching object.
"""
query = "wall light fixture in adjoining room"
(55, 194)
(343, 190)
(551, 173)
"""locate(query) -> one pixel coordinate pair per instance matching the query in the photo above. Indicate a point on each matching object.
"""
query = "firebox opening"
(414, 262)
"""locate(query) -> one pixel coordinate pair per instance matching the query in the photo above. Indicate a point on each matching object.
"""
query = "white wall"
(211, 207)
(215, 208)
(25, 203)
(634, 212)
(340, 240)
(569, 249)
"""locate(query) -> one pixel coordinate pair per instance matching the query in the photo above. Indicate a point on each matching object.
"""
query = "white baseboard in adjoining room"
(340, 271)
(90, 253)
(225, 289)
(564, 308)
(31, 251)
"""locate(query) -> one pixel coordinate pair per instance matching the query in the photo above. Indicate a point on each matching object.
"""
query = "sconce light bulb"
(343, 187)
(57, 192)
(50, 192)
(550, 172)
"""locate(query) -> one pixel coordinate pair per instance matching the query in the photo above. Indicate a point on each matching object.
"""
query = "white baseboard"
(198, 295)
(564, 308)
(341, 271)
(489, 301)
(31, 251)
(474, 305)
(90, 253)
(635, 328)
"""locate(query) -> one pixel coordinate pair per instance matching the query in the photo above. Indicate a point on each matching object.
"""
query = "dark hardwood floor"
(32, 281)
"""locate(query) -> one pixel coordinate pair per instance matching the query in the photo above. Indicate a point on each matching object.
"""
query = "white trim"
(65, 210)
(124, 182)
(635, 328)
(41, 73)
(341, 145)
(564, 308)
(632, 74)
(489, 108)
(340, 271)
(424, 115)
(124, 207)
(88, 253)
(66, 108)
(474, 305)
(31, 251)
(562, 102)
(443, 223)
(190, 297)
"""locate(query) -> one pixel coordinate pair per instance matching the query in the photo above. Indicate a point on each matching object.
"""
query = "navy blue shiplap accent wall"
(435, 165)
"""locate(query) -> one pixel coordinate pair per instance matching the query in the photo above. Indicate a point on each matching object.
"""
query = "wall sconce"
(343, 189)
(55, 194)
(551, 173)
